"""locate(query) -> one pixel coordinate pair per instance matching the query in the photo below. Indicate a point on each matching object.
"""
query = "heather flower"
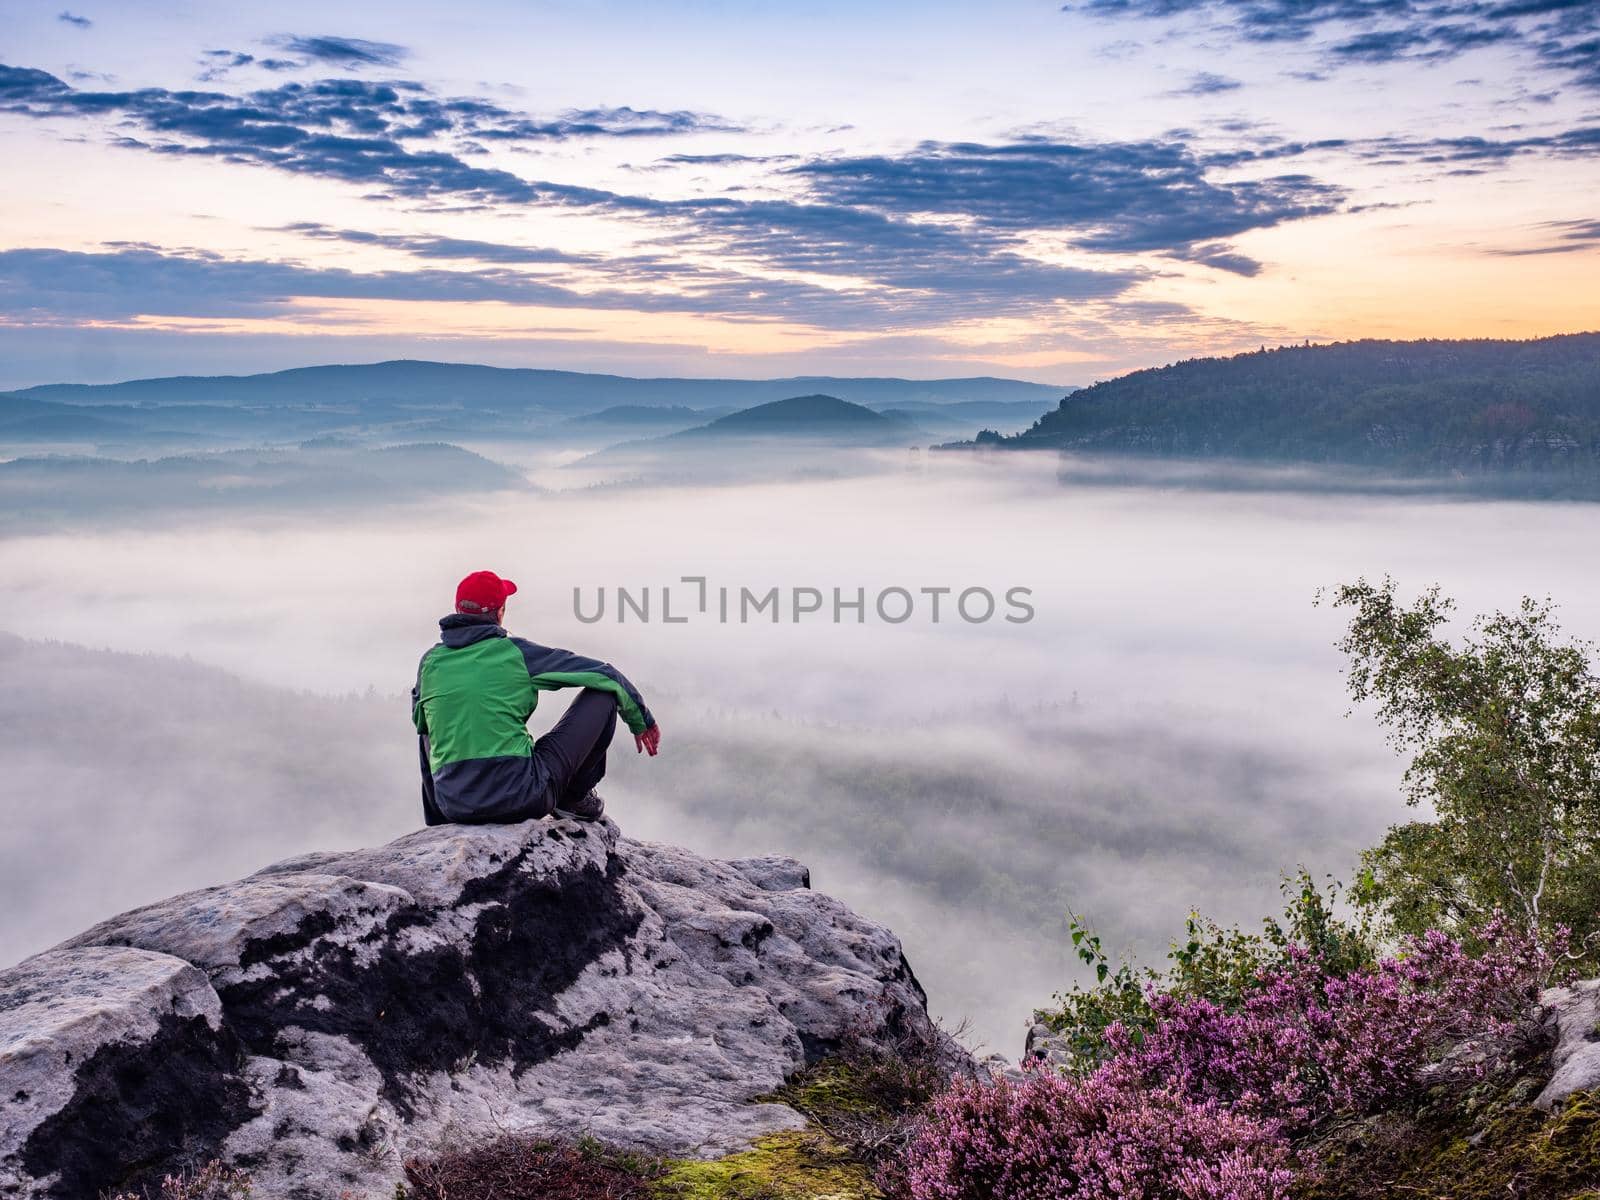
(1053, 1137)
(1206, 1101)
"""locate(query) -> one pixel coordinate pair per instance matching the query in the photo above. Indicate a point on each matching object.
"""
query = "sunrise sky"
(760, 188)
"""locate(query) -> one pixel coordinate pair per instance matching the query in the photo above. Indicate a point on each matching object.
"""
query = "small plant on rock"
(214, 1181)
(531, 1168)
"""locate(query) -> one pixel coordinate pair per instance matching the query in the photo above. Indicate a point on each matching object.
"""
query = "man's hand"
(649, 740)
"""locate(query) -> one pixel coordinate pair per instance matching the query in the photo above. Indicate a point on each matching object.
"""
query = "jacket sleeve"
(419, 717)
(550, 668)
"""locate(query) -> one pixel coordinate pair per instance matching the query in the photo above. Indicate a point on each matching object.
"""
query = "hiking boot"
(588, 807)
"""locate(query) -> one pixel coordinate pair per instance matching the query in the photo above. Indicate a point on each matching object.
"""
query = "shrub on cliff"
(1503, 726)
(1214, 963)
(1056, 1137)
(1208, 1101)
(1222, 1075)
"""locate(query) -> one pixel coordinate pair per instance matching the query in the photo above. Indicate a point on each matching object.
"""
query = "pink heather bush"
(1304, 1045)
(1052, 1137)
(1207, 1104)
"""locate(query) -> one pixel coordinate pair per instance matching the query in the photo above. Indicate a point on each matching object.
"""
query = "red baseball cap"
(483, 593)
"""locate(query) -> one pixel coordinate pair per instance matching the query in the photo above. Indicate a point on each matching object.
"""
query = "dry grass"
(520, 1168)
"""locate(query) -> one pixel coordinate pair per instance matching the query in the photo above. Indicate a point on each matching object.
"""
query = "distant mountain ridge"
(799, 432)
(1504, 410)
(623, 414)
(469, 385)
(426, 401)
(815, 414)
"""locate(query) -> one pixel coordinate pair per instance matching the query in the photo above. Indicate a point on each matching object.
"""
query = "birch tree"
(1503, 731)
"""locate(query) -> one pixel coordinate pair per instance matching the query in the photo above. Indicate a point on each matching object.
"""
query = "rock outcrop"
(1572, 1016)
(323, 1019)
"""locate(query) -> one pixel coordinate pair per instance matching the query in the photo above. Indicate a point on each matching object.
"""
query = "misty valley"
(1023, 697)
(1151, 719)
(815, 601)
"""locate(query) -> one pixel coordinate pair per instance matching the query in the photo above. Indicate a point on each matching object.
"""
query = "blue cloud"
(606, 122)
(1561, 35)
(1578, 143)
(42, 286)
(970, 269)
(1207, 84)
(217, 63)
(859, 217)
(921, 226)
(348, 129)
(1384, 45)
(723, 160)
(1221, 257)
(1115, 197)
(1569, 235)
(459, 249)
(913, 268)
(1477, 152)
(132, 280)
(344, 51)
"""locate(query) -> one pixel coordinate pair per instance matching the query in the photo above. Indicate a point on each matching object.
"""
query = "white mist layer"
(1166, 733)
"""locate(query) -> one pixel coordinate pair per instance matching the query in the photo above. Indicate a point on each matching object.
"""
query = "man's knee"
(596, 696)
(598, 707)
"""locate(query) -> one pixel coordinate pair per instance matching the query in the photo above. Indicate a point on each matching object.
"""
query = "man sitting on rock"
(476, 690)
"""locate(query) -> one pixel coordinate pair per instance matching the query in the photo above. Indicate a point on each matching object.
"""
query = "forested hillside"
(1501, 410)
(475, 387)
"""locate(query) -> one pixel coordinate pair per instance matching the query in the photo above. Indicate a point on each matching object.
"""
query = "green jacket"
(474, 694)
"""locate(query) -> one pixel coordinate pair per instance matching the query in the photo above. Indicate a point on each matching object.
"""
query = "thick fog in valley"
(195, 693)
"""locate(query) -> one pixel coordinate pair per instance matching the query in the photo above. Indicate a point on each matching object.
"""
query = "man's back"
(474, 693)
(478, 698)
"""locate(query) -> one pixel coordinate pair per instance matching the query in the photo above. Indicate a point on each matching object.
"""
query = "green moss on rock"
(1527, 1152)
(1472, 1148)
(834, 1086)
(802, 1165)
(861, 1103)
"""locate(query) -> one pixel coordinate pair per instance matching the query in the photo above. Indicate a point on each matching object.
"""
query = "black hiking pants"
(568, 761)
(573, 754)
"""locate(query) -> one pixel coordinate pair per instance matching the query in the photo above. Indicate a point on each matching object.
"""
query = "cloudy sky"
(757, 188)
